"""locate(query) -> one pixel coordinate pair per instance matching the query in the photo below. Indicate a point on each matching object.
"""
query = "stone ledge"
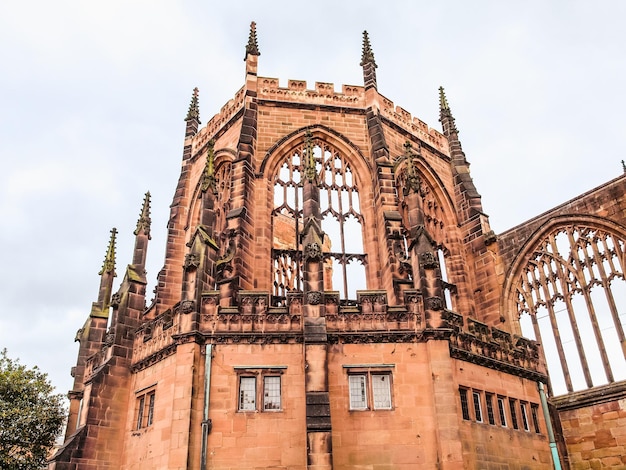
(590, 397)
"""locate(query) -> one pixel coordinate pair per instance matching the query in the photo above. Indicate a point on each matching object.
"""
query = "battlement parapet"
(324, 93)
(416, 126)
(227, 112)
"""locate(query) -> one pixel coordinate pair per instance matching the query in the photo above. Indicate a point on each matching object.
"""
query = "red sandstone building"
(333, 297)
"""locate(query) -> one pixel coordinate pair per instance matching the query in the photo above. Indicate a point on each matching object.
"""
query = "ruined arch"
(566, 288)
(342, 172)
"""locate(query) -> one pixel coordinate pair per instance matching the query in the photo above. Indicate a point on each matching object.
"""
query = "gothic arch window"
(410, 178)
(571, 297)
(342, 222)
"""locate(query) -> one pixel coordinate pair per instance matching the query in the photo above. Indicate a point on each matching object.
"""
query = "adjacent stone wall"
(594, 427)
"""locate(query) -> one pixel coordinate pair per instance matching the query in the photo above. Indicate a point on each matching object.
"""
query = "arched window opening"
(342, 222)
(448, 289)
(574, 293)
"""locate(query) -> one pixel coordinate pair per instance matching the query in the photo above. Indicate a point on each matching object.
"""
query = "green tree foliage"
(31, 415)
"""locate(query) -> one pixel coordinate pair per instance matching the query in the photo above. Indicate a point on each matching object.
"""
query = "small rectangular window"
(524, 410)
(358, 393)
(477, 408)
(464, 405)
(490, 416)
(140, 407)
(259, 388)
(150, 409)
(370, 387)
(534, 412)
(247, 393)
(512, 408)
(381, 391)
(271, 392)
(144, 412)
(502, 412)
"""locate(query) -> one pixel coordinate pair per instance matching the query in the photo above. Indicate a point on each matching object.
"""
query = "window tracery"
(342, 222)
(571, 297)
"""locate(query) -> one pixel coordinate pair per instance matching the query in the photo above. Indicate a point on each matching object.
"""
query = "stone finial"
(367, 56)
(144, 221)
(208, 177)
(109, 259)
(443, 102)
(194, 109)
(445, 114)
(252, 47)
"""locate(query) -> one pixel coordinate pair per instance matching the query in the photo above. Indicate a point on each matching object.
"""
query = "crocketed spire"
(445, 115)
(252, 47)
(367, 56)
(144, 221)
(194, 109)
(109, 259)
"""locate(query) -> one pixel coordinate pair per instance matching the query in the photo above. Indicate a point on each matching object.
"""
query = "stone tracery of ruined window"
(342, 222)
(571, 297)
(434, 215)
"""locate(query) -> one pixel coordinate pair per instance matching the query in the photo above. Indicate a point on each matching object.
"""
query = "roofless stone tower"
(330, 298)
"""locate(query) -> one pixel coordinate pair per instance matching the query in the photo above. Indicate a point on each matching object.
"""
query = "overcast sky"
(93, 96)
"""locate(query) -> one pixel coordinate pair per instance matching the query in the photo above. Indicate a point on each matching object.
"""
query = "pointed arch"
(341, 171)
(567, 289)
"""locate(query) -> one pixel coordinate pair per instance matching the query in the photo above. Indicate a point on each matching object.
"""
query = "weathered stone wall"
(594, 427)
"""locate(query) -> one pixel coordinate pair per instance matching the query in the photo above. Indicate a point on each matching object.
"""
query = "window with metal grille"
(502, 412)
(144, 411)
(490, 416)
(513, 410)
(534, 413)
(524, 411)
(478, 414)
(464, 404)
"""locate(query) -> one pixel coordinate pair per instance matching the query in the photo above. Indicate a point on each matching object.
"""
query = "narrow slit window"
(512, 408)
(464, 405)
(478, 414)
(524, 411)
(534, 412)
(490, 416)
(502, 412)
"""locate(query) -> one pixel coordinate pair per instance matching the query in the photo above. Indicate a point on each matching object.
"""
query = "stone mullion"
(609, 296)
(586, 290)
(557, 337)
(561, 272)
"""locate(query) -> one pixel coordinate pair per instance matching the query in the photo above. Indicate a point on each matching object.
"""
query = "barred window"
(478, 414)
(513, 409)
(490, 416)
(144, 410)
(464, 405)
(502, 412)
(247, 393)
